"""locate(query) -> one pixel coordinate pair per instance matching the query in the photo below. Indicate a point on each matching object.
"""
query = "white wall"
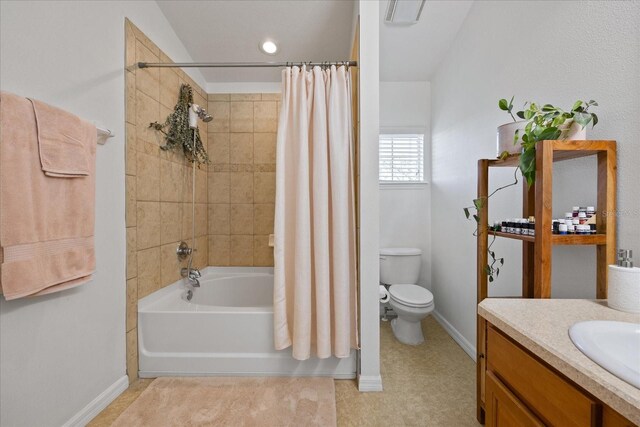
(369, 376)
(61, 351)
(557, 53)
(405, 210)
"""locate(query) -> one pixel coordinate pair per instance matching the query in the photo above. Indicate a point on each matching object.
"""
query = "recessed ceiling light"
(269, 47)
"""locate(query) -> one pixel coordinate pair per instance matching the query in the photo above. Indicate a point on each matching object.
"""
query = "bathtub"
(226, 329)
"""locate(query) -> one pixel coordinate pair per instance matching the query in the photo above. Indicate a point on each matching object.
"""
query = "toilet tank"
(400, 266)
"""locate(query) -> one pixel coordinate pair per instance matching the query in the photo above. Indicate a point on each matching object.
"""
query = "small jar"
(571, 229)
(592, 228)
(582, 217)
(591, 211)
(555, 224)
(516, 226)
(503, 227)
(568, 216)
(562, 229)
(576, 221)
(575, 211)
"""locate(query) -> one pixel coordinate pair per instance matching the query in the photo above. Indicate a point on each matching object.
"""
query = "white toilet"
(400, 268)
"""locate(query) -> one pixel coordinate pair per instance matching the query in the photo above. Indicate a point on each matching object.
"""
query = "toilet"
(400, 268)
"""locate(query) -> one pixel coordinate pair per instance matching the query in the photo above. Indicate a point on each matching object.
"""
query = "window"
(401, 158)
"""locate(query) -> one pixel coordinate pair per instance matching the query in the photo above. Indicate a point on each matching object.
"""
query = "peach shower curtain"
(315, 301)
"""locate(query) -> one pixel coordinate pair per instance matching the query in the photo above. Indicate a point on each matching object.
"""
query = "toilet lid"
(411, 295)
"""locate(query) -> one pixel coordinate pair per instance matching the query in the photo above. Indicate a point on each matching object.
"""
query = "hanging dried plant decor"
(178, 134)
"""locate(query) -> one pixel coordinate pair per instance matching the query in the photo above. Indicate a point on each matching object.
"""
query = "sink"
(613, 345)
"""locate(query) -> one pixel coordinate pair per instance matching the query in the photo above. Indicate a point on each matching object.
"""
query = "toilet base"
(407, 332)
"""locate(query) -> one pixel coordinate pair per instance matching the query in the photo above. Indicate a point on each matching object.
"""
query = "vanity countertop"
(542, 327)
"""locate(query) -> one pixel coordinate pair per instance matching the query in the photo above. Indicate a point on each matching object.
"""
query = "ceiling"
(412, 53)
(230, 31)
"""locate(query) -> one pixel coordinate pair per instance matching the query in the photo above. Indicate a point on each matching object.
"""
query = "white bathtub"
(226, 329)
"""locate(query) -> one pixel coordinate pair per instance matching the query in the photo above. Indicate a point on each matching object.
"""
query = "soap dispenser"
(624, 284)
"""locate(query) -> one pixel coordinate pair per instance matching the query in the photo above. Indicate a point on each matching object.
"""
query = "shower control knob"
(183, 251)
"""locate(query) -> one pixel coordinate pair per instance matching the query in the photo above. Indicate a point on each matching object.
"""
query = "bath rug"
(233, 401)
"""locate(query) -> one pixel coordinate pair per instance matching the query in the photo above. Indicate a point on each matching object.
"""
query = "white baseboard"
(369, 383)
(94, 407)
(456, 335)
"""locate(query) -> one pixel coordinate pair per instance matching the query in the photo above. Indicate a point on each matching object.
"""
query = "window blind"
(401, 158)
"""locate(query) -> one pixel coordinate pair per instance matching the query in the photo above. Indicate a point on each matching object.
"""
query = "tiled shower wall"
(242, 149)
(158, 183)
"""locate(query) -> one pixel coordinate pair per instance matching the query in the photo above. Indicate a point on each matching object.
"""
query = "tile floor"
(432, 384)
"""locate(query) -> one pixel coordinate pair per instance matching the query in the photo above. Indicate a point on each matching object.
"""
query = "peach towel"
(47, 198)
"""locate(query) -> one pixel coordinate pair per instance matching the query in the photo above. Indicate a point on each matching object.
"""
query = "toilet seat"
(411, 295)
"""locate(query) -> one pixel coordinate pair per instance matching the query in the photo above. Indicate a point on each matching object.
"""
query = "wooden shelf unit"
(537, 250)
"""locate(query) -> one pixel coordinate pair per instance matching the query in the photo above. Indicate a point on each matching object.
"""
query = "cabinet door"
(503, 408)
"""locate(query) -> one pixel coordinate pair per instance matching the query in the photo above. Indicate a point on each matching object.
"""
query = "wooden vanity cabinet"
(521, 390)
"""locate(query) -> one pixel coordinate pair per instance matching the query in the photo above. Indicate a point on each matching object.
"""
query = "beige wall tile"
(130, 149)
(241, 250)
(201, 185)
(145, 40)
(130, 104)
(147, 79)
(219, 148)
(276, 96)
(132, 304)
(187, 182)
(169, 87)
(241, 219)
(241, 148)
(218, 187)
(201, 219)
(219, 218)
(241, 187)
(132, 254)
(169, 264)
(219, 250)
(148, 271)
(132, 355)
(264, 148)
(218, 97)
(187, 222)
(130, 201)
(245, 97)
(170, 222)
(148, 177)
(241, 117)
(201, 256)
(262, 252)
(265, 116)
(147, 111)
(264, 187)
(171, 181)
(221, 113)
(148, 224)
(263, 214)
(129, 47)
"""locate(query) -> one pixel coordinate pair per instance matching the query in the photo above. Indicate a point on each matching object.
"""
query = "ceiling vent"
(404, 12)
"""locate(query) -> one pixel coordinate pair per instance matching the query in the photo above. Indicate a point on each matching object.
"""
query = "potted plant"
(520, 137)
(547, 122)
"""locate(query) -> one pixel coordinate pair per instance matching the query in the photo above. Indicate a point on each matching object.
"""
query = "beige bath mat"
(236, 401)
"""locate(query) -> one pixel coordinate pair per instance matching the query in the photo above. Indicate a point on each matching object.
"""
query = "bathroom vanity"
(533, 374)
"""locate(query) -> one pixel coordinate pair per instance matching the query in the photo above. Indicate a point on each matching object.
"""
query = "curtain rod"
(241, 64)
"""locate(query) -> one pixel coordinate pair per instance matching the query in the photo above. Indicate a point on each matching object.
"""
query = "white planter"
(506, 134)
(573, 131)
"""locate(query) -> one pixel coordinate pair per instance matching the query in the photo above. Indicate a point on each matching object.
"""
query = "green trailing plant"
(492, 269)
(177, 132)
(545, 123)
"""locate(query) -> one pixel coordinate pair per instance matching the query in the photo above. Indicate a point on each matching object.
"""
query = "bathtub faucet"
(192, 274)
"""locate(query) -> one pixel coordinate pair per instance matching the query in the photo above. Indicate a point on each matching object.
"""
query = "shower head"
(197, 111)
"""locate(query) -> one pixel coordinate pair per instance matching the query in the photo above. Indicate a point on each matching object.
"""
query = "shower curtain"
(315, 301)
